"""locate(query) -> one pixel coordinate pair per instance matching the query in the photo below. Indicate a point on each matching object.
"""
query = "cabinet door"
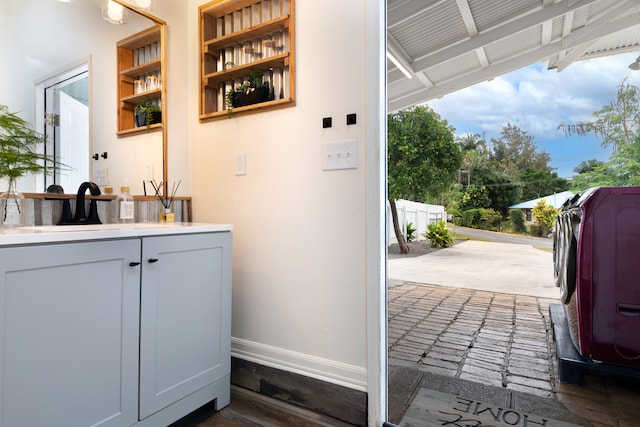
(69, 334)
(185, 321)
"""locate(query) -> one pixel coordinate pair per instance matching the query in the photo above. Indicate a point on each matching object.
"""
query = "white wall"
(299, 268)
(3, 41)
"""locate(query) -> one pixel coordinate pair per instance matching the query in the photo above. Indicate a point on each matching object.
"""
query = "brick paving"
(496, 339)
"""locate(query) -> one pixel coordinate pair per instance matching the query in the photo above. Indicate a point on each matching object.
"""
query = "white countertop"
(71, 233)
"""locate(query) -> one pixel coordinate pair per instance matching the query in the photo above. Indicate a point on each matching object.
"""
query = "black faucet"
(80, 216)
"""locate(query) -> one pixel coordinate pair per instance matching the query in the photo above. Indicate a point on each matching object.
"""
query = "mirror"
(42, 39)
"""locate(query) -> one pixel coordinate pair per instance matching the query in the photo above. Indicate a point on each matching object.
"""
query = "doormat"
(432, 408)
(403, 386)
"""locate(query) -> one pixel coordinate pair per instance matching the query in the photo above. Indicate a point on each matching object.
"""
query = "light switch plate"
(340, 155)
(241, 164)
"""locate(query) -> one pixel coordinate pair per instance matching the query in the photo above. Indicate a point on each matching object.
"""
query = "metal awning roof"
(447, 45)
(556, 200)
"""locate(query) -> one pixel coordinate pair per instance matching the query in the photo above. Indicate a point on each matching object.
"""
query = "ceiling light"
(635, 65)
(145, 4)
(400, 67)
(114, 13)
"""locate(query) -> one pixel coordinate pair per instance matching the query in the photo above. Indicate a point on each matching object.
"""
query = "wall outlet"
(101, 176)
(241, 164)
(340, 155)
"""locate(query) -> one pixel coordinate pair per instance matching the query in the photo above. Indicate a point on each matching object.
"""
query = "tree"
(587, 166)
(475, 153)
(617, 122)
(423, 159)
(622, 169)
(515, 151)
(475, 197)
(502, 190)
(537, 183)
(471, 142)
(603, 175)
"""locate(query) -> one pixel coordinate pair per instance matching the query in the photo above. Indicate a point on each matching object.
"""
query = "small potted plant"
(18, 157)
(253, 91)
(147, 113)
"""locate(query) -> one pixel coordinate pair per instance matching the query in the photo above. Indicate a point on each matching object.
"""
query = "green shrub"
(470, 218)
(439, 235)
(411, 232)
(537, 230)
(475, 197)
(545, 216)
(485, 219)
(516, 218)
(490, 220)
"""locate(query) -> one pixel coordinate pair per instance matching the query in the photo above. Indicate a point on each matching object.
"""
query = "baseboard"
(343, 403)
(325, 370)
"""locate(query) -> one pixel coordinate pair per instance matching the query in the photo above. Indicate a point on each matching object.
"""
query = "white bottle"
(125, 207)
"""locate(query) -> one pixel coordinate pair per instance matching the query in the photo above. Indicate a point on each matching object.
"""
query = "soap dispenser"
(125, 207)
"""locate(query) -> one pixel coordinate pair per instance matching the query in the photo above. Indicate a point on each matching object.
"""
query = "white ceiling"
(447, 45)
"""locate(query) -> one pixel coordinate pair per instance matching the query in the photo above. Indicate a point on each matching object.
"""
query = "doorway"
(64, 100)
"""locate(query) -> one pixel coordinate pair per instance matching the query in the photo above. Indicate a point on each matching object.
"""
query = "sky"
(537, 100)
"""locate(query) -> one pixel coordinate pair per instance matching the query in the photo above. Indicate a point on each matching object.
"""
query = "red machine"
(597, 267)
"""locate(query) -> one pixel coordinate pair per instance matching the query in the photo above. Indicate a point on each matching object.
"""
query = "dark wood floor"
(249, 409)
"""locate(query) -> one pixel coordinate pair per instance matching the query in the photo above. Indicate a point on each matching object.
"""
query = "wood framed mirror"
(46, 38)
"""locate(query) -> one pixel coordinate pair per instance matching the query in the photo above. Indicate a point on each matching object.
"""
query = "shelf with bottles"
(140, 97)
(150, 67)
(239, 38)
(212, 45)
(140, 67)
(140, 49)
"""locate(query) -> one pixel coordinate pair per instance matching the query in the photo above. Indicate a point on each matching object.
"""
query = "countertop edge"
(11, 236)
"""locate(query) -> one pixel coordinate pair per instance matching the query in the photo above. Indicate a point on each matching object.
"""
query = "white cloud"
(537, 100)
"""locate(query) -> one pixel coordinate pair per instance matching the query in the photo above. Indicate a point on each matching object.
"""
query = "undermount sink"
(90, 227)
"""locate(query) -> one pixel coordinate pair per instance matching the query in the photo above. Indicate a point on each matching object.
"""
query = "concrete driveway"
(488, 266)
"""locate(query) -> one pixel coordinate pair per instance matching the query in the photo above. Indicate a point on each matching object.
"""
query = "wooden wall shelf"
(243, 37)
(140, 77)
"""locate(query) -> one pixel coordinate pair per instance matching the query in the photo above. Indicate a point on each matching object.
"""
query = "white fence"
(418, 214)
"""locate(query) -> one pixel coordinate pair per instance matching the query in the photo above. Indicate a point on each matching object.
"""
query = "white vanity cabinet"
(69, 334)
(185, 321)
(114, 332)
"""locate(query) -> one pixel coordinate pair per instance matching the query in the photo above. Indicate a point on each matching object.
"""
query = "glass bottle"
(12, 207)
(111, 212)
(125, 208)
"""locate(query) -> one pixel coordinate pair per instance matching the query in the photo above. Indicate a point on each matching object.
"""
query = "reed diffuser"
(167, 200)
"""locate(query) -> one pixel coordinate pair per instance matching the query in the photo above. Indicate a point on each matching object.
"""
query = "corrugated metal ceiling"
(446, 45)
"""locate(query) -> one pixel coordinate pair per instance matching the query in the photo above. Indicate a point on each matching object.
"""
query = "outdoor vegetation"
(618, 123)
(423, 159)
(439, 235)
(411, 232)
(477, 180)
